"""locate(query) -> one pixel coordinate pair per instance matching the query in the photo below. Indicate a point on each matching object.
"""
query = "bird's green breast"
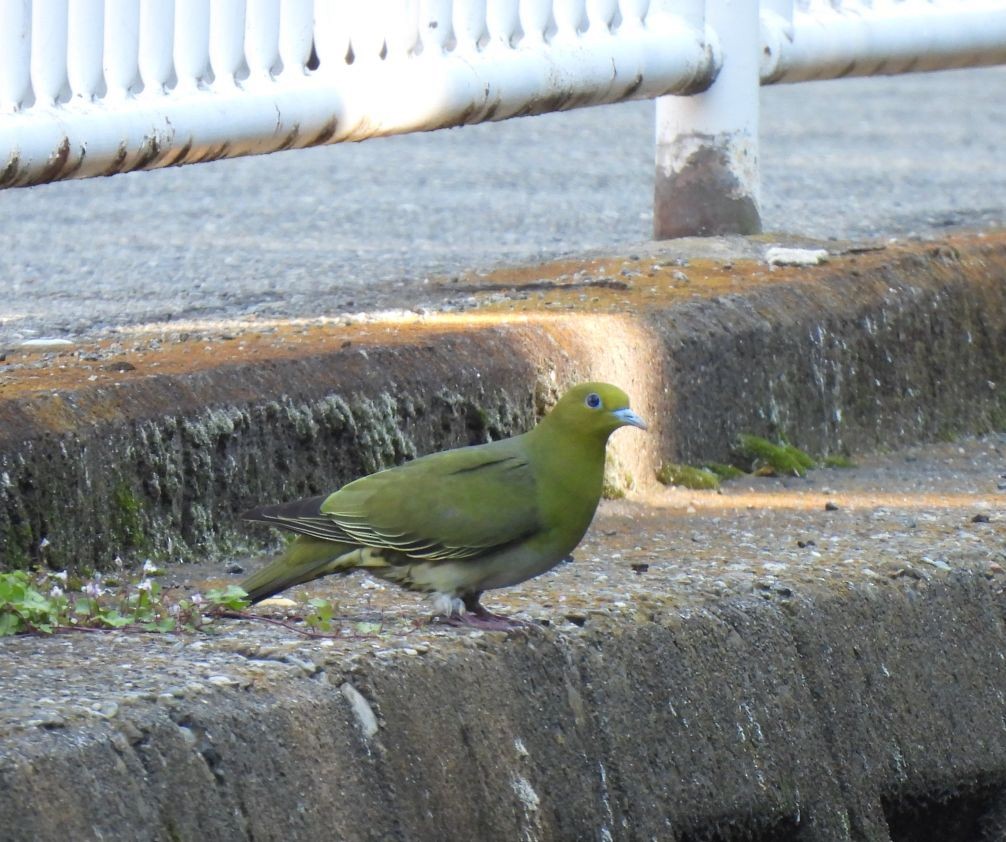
(569, 477)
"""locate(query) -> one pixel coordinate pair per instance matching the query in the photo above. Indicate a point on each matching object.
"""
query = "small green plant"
(231, 598)
(687, 476)
(767, 458)
(47, 602)
(22, 606)
(320, 618)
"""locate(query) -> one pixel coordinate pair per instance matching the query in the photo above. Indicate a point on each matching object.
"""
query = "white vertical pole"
(707, 144)
(15, 53)
(155, 60)
(569, 16)
(469, 24)
(534, 17)
(85, 40)
(434, 25)
(262, 38)
(122, 46)
(501, 21)
(633, 13)
(192, 42)
(48, 50)
(368, 30)
(600, 13)
(296, 30)
(403, 28)
(331, 35)
(227, 41)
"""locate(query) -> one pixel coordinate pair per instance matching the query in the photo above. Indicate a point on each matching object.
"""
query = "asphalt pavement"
(350, 227)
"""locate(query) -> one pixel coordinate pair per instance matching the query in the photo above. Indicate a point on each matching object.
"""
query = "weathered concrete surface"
(869, 350)
(704, 674)
(871, 714)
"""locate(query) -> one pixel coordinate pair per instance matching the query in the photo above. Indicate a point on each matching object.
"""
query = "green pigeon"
(460, 522)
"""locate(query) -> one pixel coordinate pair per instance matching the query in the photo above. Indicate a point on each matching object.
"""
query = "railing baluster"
(156, 55)
(367, 31)
(403, 28)
(569, 18)
(48, 50)
(502, 19)
(227, 41)
(192, 42)
(296, 30)
(600, 14)
(331, 35)
(262, 38)
(469, 23)
(633, 13)
(85, 39)
(15, 53)
(435, 26)
(122, 45)
(534, 19)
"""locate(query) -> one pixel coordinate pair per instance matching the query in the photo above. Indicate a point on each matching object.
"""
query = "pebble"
(45, 342)
(105, 710)
(781, 256)
(48, 719)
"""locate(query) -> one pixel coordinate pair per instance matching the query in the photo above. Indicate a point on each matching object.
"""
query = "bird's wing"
(452, 505)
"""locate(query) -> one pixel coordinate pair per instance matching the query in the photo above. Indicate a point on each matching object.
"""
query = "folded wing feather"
(449, 506)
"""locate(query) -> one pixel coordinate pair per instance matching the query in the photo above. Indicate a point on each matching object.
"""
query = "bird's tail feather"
(304, 559)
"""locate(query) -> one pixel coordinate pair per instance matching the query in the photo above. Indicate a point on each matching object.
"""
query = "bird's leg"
(478, 617)
(467, 612)
(473, 606)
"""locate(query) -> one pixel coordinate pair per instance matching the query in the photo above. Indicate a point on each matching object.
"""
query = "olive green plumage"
(462, 521)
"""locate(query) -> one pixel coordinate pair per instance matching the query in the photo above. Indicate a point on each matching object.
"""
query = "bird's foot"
(469, 613)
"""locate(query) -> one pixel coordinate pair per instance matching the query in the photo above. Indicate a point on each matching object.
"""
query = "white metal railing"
(90, 87)
(96, 87)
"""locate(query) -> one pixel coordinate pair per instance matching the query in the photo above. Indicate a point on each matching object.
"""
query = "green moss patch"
(686, 476)
(767, 458)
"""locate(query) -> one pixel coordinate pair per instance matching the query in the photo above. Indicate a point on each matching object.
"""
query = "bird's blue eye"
(593, 400)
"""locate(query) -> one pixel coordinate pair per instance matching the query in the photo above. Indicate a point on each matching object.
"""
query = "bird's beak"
(629, 418)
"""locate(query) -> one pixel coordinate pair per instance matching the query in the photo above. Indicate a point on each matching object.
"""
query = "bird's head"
(595, 410)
